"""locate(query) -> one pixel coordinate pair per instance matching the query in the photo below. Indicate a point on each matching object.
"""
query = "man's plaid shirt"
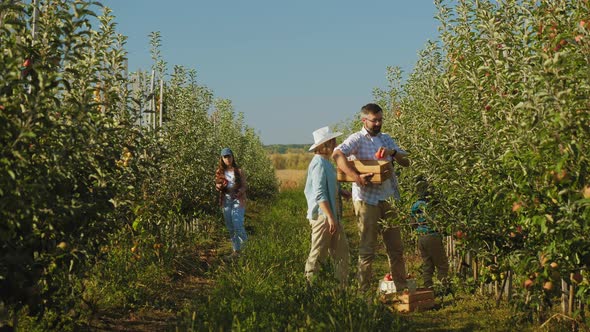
(362, 146)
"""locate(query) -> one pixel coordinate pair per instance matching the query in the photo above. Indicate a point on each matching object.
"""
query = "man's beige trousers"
(368, 224)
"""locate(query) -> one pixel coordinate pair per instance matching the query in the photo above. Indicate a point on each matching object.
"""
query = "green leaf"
(136, 224)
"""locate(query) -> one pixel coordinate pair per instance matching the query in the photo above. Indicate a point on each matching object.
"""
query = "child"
(430, 241)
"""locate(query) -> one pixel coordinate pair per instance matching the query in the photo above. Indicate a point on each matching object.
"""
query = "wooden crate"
(381, 170)
(421, 299)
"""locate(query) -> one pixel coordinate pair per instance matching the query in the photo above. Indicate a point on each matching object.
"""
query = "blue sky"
(289, 66)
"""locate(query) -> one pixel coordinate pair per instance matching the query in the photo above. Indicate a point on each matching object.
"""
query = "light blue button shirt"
(321, 185)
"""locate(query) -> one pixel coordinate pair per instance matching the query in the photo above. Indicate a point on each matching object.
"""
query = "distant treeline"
(286, 148)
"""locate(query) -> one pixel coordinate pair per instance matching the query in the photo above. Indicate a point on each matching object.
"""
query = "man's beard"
(374, 131)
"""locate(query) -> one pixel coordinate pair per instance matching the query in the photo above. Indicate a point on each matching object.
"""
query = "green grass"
(265, 289)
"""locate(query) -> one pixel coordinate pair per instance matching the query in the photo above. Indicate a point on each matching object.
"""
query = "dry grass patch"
(291, 178)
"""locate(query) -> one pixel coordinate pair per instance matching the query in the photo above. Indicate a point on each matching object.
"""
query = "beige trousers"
(368, 218)
(324, 243)
(433, 256)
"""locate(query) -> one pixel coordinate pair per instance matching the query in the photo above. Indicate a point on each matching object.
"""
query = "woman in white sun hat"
(322, 193)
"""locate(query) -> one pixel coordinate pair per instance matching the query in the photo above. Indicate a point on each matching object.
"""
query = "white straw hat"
(321, 136)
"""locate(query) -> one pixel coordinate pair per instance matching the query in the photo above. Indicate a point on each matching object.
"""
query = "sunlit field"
(290, 178)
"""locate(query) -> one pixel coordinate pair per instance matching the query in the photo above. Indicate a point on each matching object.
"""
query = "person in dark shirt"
(430, 241)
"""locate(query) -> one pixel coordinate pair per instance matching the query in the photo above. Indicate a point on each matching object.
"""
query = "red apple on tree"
(459, 235)
(577, 277)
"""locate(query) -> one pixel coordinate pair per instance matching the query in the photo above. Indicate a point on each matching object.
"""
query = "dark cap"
(226, 152)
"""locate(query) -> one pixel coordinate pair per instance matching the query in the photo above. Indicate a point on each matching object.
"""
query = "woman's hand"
(220, 184)
(331, 226)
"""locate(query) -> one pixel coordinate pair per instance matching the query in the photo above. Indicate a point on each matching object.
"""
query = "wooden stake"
(448, 248)
(152, 101)
(33, 32)
(501, 291)
(34, 22)
(475, 267)
(564, 302)
(135, 88)
(571, 296)
(496, 284)
(161, 99)
(509, 290)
